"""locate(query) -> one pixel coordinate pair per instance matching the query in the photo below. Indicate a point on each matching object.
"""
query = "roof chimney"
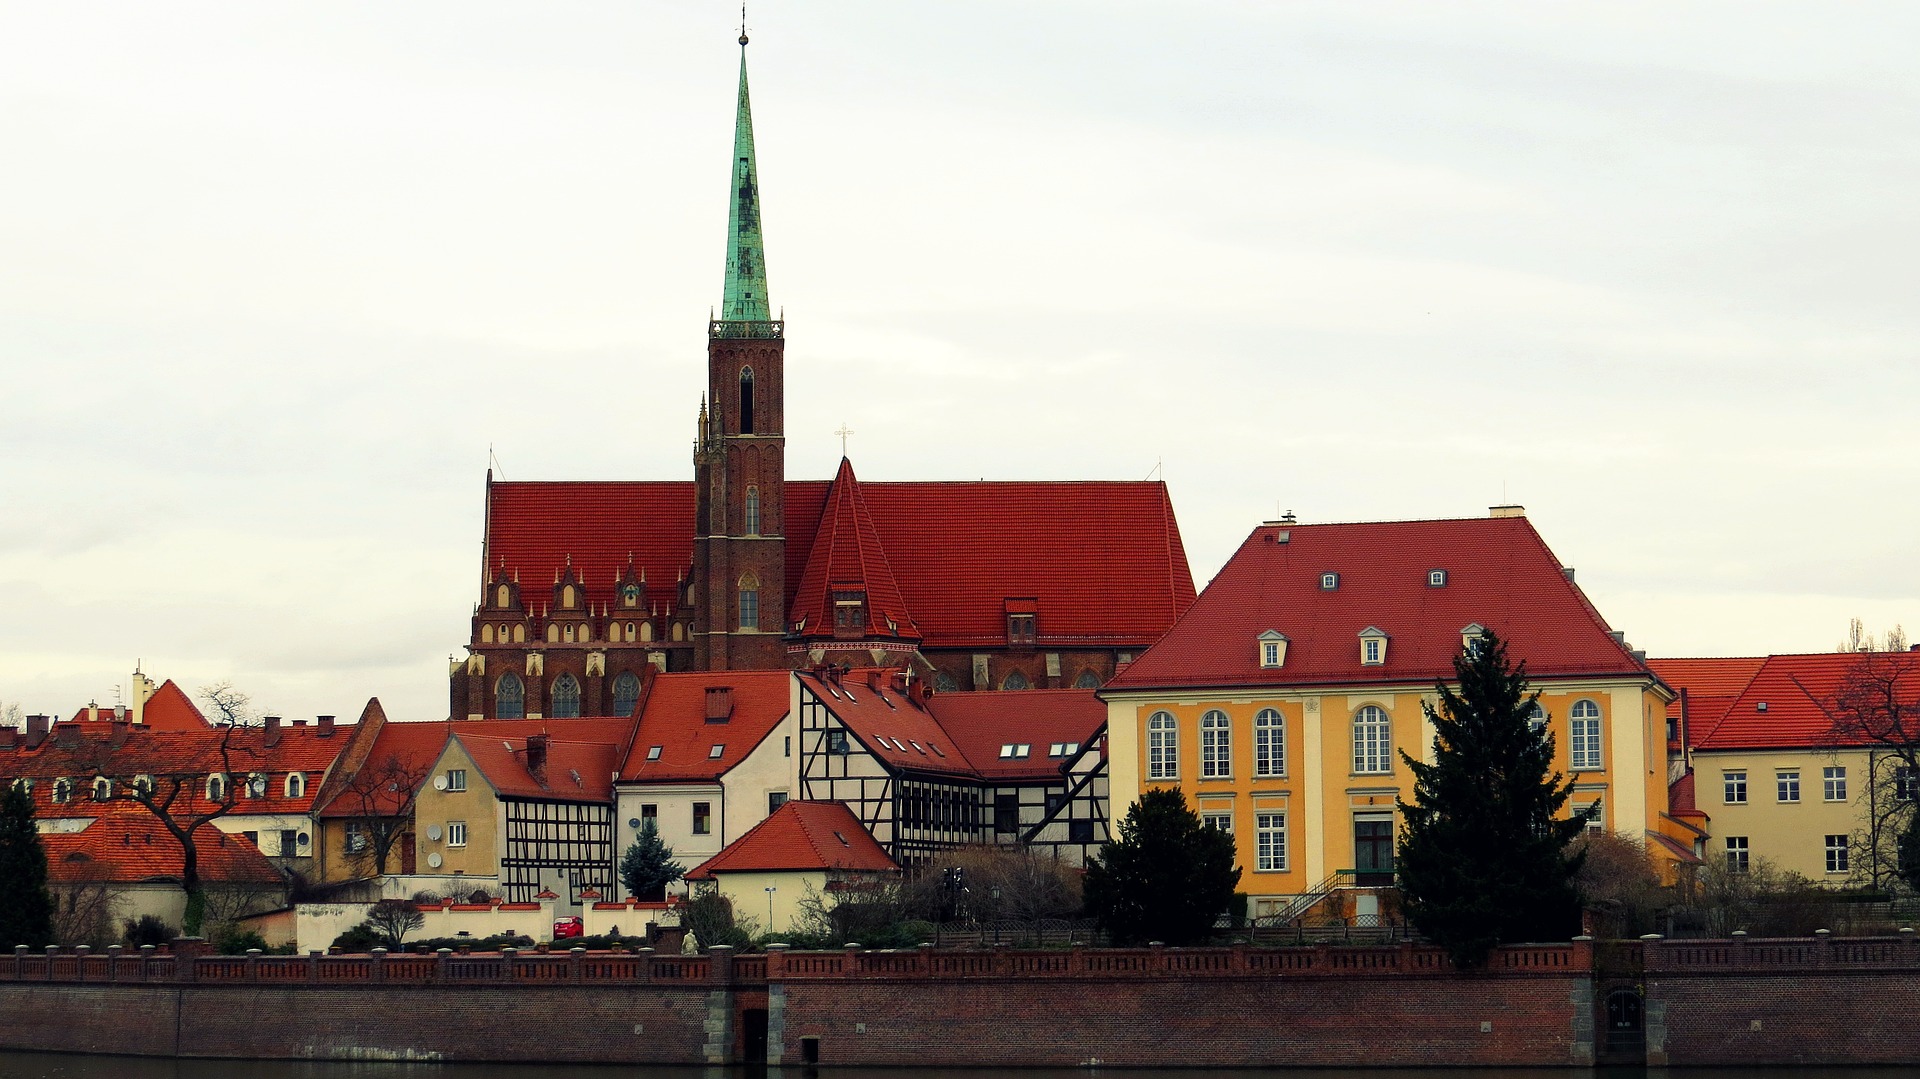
(66, 735)
(9, 737)
(142, 692)
(537, 754)
(36, 731)
(93, 712)
(719, 704)
(1506, 511)
(273, 730)
(325, 725)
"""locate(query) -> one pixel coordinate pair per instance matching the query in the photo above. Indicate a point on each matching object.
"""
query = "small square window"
(1437, 578)
(1329, 581)
(837, 743)
(456, 779)
(653, 753)
(717, 751)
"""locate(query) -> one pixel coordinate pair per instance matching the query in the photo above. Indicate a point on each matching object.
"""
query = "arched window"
(62, 791)
(553, 633)
(630, 634)
(679, 631)
(566, 697)
(1163, 747)
(102, 789)
(1216, 746)
(256, 786)
(509, 697)
(1269, 743)
(143, 786)
(1087, 680)
(503, 596)
(646, 631)
(1372, 741)
(566, 597)
(216, 788)
(1536, 718)
(944, 683)
(1016, 680)
(568, 634)
(753, 511)
(749, 602)
(746, 400)
(296, 785)
(519, 634)
(626, 693)
(1584, 723)
(486, 633)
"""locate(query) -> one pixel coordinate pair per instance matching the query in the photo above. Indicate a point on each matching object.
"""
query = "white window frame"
(1216, 745)
(1786, 785)
(1269, 743)
(1839, 858)
(1218, 820)
(1739, 854)
(1584, 737)
(1733, 787)
(1163, 746)
(296, 785)
(1270, 841)
(1834, 783)
(456, 780)
(456, 833)
(1372, 741)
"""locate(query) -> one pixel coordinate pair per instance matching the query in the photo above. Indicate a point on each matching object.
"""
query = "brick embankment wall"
(638, 1024)
(1171, 1022)
(1779, 1002)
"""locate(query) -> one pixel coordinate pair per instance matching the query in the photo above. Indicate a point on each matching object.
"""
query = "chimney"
(273, 731)
(719, 704)
(142, 692)
(120, 729)
(36, 731)
(1506, 511)
(299, 722)
(9, 737)
(537, 754)
(93, 712)
(66, 735)
(325, 723)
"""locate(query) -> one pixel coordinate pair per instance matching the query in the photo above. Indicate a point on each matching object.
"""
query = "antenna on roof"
(1156, 473)
(493, 462)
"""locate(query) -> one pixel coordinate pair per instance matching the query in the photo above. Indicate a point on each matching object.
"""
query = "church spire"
(745, 298)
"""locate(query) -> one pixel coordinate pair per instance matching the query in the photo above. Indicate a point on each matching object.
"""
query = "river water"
(62, 1066)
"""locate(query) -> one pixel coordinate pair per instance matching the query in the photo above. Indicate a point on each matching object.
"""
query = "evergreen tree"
(1483, 857)
(26, 909)
(648, 866)
(1168, 878)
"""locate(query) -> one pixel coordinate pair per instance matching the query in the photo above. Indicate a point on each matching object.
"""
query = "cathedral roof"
(846, 554)
(1102, 561)
(1419, 584)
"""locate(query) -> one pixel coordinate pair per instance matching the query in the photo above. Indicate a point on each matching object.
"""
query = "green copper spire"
(745, 297)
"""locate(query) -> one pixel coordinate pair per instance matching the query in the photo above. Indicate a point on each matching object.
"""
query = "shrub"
(237, 942)
(361, 938)
(148, 929)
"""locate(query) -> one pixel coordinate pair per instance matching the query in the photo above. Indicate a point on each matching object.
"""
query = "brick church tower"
(739, 548)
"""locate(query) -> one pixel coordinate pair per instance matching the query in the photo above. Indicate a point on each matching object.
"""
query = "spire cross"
(843, 432)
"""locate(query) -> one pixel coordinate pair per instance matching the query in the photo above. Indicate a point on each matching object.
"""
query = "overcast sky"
(276, 276)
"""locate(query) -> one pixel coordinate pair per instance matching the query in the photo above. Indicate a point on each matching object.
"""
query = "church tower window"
(510, 697)
(746, 400)
(566, 697)
(505, 597)
(486, 633)
(749, 602)
(753, 511)
(626, 693)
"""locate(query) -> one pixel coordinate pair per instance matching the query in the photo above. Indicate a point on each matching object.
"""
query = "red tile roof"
(801, 836)
(983, 724)
(1499, 574)
(412, 748)
(896, 727)
(1103, 560)
(675, 719)
(90, 750)
(1711, 684)
(125, 844)
(1788, 703)
(574, 771)
(169, 709)
(846, 554)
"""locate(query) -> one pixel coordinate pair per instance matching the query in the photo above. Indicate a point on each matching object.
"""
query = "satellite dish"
(439, 783)
(633, 822)
(433, 861)
(433, 831)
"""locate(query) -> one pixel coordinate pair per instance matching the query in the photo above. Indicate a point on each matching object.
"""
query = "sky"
(280, 278)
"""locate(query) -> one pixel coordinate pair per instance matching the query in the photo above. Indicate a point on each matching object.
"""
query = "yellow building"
(1773, 771)
(1280, 703)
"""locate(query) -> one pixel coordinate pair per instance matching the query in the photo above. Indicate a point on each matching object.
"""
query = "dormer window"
(297, 785)
(216, 788)
(1272, 648)
(1020, 629)
(62, 791)
(849, 610)
(143, 786)
(1373, 646)
(256, 786)
(102, 789)
(1329, 581)
(1436, 578)
(1472, 635)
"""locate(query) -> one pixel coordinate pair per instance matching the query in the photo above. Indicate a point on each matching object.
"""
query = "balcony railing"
(771, 330)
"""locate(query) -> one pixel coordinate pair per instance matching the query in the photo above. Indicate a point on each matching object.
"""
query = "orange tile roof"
(982, 724)
(894, 726)
(169, 709)
(1499, 574)
(574, 771)
(675, 720)
(82, 751)
(1103, 560)
(1710, 684)
(413, 747)
(1788, 703)
(801, 836)
(125, 844)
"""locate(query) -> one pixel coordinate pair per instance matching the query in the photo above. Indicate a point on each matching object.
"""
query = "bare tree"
(1877, 705)
(393, 919)
(11, 714)
(378, 799)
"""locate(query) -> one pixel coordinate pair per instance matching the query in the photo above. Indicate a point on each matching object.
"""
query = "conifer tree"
(26, 909)
(648, 866)
(1168, 878)
(1483, 857)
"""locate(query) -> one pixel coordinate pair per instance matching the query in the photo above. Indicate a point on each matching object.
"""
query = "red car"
(567, 927)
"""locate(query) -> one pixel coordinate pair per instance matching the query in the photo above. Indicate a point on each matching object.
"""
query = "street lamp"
(770, 890)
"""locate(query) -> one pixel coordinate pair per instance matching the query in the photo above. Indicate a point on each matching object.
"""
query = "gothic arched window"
(566, 697)
(510, 697)
(749, 601)
(746, 400)
(626, 693)
(1016, 680)
(753, 511)
(1087, 680)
